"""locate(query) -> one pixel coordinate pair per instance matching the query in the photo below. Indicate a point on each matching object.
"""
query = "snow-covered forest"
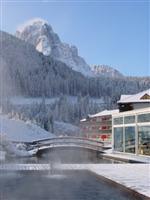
(28, 73)
(63, 109)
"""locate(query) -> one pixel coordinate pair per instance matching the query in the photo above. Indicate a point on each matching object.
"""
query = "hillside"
(28, 73)
(106, 71)
(15, 133)
(19, 131)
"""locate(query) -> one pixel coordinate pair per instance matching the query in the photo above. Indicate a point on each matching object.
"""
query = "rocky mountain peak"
(39, 33)
(36, 23)
(105, 70)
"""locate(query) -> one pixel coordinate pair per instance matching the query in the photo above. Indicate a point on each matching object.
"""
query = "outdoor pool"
(70, 185)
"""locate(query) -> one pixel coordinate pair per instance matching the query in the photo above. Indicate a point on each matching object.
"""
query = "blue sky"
(105, 32)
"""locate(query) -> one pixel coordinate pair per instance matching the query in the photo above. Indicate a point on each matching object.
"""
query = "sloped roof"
(135, 98)
(104, 113)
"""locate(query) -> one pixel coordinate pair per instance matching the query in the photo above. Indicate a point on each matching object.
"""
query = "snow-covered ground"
(133, 176)
(20, 131)
(14, 133)
(126, 157)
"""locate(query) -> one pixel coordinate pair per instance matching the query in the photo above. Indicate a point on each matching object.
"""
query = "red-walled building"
(98, 126)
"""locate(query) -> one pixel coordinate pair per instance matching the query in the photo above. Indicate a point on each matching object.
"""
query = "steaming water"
(59, 185)
(63, 155)
(74, 185)
(56, 176)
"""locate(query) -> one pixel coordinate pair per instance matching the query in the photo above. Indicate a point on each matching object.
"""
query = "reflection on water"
(56, 176)
(9, 175)
(72, 185)
(63, 155)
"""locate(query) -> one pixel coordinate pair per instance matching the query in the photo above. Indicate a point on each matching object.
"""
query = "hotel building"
(98, 126)
(131, 126)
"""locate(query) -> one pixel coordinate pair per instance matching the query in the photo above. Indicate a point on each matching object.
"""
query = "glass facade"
(144, 118)
(129, 119)
(131, 132)
(130, 139)
(118, 120)
(144, 140)
(118, 139)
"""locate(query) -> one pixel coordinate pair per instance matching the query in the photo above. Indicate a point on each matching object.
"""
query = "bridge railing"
(68, 141)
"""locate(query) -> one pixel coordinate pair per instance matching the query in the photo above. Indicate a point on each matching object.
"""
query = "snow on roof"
(124, 97)
(135, 97)
(104, 113)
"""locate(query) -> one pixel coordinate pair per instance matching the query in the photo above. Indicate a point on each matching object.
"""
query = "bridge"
(67, 141)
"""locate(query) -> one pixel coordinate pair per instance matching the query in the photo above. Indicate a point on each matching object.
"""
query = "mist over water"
(71, 155)
(73, 185)
(57, 184)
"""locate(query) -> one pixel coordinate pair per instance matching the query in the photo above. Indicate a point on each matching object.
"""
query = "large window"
(130, 139)
(144, 140)
(132, 132)
(118, 139)
(129, 119)
(118, 120)
(144, 118)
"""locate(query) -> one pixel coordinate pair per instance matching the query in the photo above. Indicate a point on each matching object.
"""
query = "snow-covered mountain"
(27, 72)
(39, 33)
(106, 71)
(22, 68)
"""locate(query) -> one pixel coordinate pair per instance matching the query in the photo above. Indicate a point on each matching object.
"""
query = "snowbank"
(20, 131)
